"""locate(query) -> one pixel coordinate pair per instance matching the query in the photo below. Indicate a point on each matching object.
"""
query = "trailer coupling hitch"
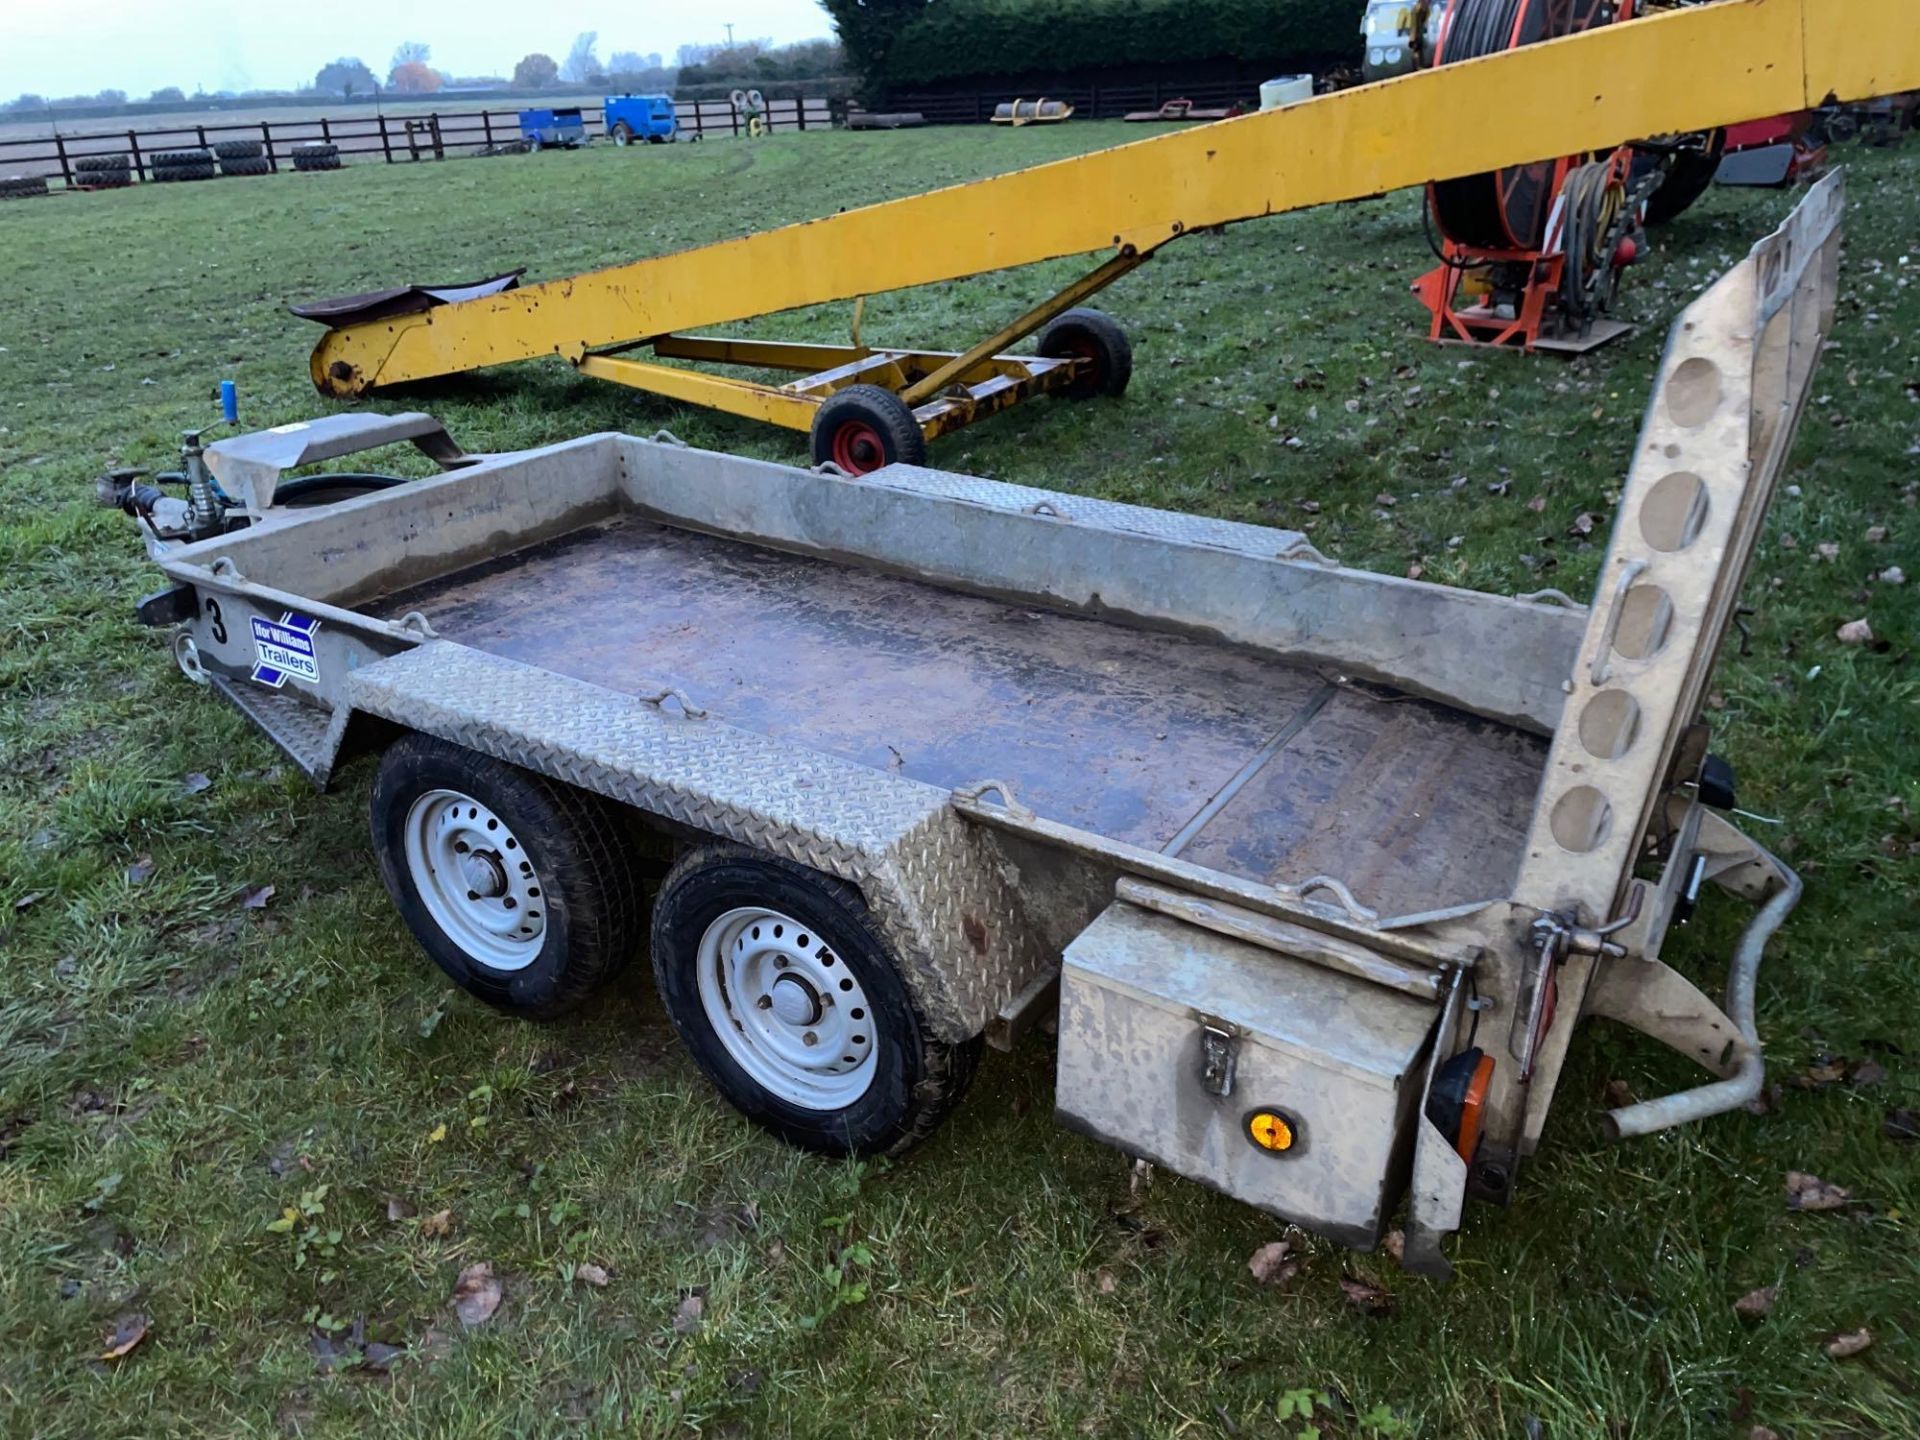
(1555, 937)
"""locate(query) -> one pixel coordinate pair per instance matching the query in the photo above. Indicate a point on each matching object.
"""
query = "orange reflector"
(1471, 1108)
(1270, 1130)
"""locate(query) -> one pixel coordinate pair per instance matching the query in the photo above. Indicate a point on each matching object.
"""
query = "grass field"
(179, 1072)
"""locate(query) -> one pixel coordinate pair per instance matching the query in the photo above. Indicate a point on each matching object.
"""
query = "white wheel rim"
(475, 879)
(787, 1008)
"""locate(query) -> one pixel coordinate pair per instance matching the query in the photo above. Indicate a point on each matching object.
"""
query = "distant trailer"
(1187, 110)
(630, 118)
(547, 129)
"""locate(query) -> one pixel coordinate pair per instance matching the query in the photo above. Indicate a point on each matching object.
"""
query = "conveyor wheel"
(1096, 338)
(865, 427)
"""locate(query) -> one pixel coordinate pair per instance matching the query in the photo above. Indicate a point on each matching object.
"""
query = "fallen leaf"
(1537, 504)
(691, 1313)
(1855, 632)
(30, 899)
(1104, 1281)
(1893, 575)
(1762, 1432)
(1901, 1125)
(1395, 1244)
(1274, 1263)
(1583, 524)
(1385, 500)
(378, 1357)
(476, 1295)
(1810, 1192)
(1840, 1347)
(398, 1209)
(256, 898)
(140, 871)
(1826, 550)
(1876, 534)
(588, 1273)
(1618, 1094)
(1367, 1296)
(1757, 1304)
(437, 1225)
(1867, 1072)
(195, 783)
(127, 1332)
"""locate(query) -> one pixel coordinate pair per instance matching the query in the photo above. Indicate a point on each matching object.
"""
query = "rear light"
(1457, 1101)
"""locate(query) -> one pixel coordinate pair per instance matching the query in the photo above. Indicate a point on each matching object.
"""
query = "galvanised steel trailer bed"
(1325, 865)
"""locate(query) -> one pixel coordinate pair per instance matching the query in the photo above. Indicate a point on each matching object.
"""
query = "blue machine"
(640, 117)
(544, 128)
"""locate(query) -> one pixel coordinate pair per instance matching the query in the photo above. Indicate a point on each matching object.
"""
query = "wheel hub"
(484, 874)
(795, 1002)
(787, 1008)
(475, 879)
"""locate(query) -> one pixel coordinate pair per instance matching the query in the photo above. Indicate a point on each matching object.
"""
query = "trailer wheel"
(1095, 337)
(522, 890)
(622, 134)
(865, 427)
(783, 992)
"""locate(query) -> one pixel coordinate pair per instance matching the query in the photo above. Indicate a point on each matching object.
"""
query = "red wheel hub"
(858, 448)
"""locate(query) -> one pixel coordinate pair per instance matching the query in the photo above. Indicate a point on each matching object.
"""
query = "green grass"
(176, 1071)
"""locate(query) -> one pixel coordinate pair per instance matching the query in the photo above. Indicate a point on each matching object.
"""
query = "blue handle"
(229, 402)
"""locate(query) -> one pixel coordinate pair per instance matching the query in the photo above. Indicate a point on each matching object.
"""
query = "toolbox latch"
(1217, 1045)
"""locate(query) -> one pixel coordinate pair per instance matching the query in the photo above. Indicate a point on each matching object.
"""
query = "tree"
(416, 77)
(111, 97)
(25, 104)
(167, 95)
(410, 52)
(346, 76)
(581, 63)
(868, 29)
(535, 72)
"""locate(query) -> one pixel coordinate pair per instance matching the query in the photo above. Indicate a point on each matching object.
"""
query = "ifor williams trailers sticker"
(284, 648)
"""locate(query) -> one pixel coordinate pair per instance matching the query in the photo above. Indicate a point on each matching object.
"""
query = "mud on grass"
(178, 1071)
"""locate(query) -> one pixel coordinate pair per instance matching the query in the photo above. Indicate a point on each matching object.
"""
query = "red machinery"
(1530, 256)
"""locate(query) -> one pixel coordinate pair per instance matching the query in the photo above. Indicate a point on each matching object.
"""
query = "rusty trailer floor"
(1233, 759)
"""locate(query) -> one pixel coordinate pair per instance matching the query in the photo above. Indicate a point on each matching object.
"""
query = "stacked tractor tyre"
(318, 155)
(102, 172)
(21, 187)
(181, 165)
(242, 157)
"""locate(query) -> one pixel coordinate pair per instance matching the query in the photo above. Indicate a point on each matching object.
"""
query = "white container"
(1286, 90)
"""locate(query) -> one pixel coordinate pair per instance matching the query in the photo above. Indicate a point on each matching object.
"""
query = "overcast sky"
(75, 47)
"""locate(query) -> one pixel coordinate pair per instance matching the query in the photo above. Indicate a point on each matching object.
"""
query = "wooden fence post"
(201, 131)
(266, 140)
(386, 144)
(439, 147)
(326, 130)
(139, 165)
(66, 167)
(486, 125)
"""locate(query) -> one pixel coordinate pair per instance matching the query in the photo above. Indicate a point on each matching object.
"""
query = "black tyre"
(171, 159)
(104, 179)
(186, 172)
(316, 149)
(865, 427)
(92, 164)
(257, 165)
(522, 890)
(658, 139)
(1689, 174)
(778, 983)
(621, 134)
(20, 187)
(239, 150)
(1094, 337)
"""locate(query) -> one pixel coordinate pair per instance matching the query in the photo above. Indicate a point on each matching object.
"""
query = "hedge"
(901, 45)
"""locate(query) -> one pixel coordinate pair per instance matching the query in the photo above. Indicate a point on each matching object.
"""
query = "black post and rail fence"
(394, 139)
